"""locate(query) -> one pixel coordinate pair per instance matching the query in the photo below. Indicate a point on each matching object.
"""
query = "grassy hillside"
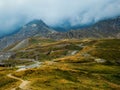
(107, 49)
(7, 83)
(45, 50)
(72, 64)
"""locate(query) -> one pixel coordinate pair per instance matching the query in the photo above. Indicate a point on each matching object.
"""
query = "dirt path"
(23, 84)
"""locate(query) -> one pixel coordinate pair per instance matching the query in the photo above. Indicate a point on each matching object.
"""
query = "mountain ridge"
(36, 27)
(104, 29)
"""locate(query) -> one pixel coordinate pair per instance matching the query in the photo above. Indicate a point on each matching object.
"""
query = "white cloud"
(14, 13)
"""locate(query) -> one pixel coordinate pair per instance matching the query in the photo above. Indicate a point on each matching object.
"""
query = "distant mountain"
(104, 29)
(33, 28)
(66, 26)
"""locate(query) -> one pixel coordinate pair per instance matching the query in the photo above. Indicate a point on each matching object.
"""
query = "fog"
(15, 13)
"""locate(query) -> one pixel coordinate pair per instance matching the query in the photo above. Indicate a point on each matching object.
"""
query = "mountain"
(68, 64)
(66, 26)
(104, 29)
(33, 28)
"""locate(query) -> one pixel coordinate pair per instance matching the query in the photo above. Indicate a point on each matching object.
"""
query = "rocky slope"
(34, 28)
(104, 29)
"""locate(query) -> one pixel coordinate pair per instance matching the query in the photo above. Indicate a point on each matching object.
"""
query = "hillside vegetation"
(86, 64)
(5, 82)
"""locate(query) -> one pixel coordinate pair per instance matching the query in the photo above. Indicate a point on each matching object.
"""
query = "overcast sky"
(14, 13)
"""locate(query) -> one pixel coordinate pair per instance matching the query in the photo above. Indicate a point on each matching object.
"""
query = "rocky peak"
(36, 22)
(33, 28)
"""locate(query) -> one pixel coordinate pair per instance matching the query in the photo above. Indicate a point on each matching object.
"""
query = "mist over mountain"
(59, 44)
(55, 13)
(37, 28)
(31, 29)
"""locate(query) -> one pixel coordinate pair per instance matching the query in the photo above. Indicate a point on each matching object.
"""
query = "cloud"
(15, 13)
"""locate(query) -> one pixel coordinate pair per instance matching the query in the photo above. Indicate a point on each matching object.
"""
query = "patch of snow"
(34, 25)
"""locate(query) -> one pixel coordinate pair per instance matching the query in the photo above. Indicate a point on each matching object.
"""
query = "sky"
(15, 13)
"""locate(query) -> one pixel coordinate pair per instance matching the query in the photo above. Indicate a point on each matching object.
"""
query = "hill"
(73, 64)
(66, 64)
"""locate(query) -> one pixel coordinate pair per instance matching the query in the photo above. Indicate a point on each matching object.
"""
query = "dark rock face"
(34, 28)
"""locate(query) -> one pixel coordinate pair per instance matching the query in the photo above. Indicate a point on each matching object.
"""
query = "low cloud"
(15, 13)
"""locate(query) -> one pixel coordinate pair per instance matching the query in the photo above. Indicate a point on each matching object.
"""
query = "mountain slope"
(34, 28)
(104, 29)
(63, 70)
